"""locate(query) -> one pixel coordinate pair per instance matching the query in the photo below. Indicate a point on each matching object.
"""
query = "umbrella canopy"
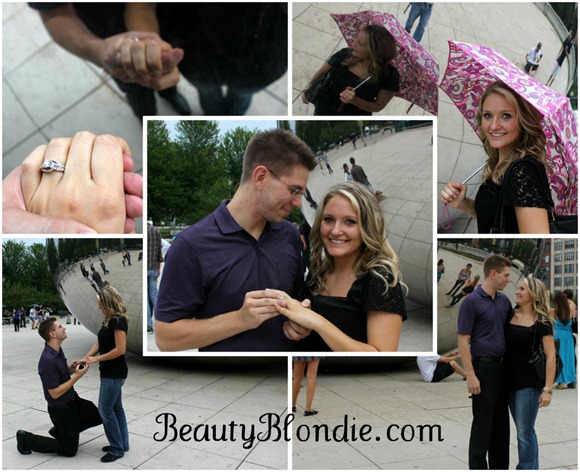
(472, 69)
(418, 69)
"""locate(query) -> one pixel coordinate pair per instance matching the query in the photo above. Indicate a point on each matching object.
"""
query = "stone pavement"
(210, 392)
(399, 402)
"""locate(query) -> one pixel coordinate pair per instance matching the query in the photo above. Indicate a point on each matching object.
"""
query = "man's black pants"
(490, 429)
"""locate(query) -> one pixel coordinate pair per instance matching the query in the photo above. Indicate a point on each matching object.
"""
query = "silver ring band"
(51, 166)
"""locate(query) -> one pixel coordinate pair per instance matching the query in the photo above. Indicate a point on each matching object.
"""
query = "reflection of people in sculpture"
(109, 352)
(465, 291)
(462, 277)
(103, 266)
(357, 297)
(82, 184)
(529, 328)
(243, 248)
(370, 56)
(512, 133)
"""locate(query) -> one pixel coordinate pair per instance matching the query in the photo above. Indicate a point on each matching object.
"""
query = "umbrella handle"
(409, 109)
(446, 218)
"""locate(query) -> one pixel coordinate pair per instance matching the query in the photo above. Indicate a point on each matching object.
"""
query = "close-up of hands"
(96, 193)
(143, 58)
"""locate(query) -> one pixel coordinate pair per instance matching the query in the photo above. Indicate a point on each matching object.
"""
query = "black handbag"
(559, 224)
(319, 88)
(538, 361)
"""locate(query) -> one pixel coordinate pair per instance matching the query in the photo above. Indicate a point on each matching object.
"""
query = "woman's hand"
(143, 58)
(545, 399)
(90, 360)
(454, 194)
(96, 189)
(296, 311)
(347, 95)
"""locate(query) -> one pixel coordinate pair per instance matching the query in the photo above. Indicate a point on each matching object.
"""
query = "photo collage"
(290, 235)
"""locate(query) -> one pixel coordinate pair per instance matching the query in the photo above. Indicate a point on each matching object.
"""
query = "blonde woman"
(110, 347)
(356, 285)
(512, 133)
(530, 327)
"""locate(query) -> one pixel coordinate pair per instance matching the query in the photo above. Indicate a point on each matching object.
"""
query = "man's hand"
(473, 386)
(258, 307)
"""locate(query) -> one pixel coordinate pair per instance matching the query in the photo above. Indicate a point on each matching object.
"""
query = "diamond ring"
(51, 166)
(134, 38)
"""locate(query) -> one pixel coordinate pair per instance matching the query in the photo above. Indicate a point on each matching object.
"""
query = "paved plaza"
(212, 392)
(389, 400)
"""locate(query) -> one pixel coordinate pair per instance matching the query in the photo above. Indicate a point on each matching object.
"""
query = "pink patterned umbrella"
(418, 69)
(471, 69)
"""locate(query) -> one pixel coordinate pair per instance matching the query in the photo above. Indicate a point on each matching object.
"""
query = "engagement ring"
(134, 37)
(51, 166)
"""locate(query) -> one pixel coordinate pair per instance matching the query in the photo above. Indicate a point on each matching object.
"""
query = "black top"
(519, 341)
(524, 188)
(349, 314)
(389, 80)
(114, 368)
(53, 371)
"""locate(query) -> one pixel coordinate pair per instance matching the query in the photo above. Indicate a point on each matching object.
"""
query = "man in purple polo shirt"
(69, 413)
(482, 317)
(214, 291)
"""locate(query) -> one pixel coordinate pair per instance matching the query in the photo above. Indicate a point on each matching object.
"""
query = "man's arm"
(473, 386)
(196, 333)
(59, 391)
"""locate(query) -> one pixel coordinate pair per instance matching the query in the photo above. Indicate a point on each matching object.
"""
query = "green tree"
(231, 152)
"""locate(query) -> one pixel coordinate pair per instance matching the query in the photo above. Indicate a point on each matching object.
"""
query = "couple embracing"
(495, 343)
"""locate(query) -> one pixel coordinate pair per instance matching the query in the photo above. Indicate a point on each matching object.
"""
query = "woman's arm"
(141, 17)
(454, 194)
(550, 350)
(348, 95)
(92, 351)
(383, 329)
(117, 351)
(532, 220)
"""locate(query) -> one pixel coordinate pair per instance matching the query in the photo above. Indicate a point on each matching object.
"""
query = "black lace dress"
(524, 187)
(349, 314)
(389, 80)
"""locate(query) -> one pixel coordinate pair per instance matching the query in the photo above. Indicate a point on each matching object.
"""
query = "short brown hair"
(277, 149)
(495, 262)
(46, 327)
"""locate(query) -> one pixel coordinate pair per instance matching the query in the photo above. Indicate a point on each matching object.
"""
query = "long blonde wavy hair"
(376, 252)
(532, 140)
(540, 299)
(112, 303)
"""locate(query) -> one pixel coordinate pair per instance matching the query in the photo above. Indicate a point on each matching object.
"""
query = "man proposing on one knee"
(214, 292)
(69, 413)
(481, 340)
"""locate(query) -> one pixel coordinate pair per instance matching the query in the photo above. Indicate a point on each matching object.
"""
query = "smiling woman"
(355, 283)
(515, 172)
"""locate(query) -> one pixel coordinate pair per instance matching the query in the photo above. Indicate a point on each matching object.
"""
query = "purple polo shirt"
(484, 318)
(53, 371)
(213, 264)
